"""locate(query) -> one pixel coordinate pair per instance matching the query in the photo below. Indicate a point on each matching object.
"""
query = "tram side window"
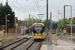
(34, 30)
(43, 29)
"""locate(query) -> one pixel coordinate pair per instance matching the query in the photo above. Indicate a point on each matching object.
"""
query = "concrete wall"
(23, 29)
(13, 30)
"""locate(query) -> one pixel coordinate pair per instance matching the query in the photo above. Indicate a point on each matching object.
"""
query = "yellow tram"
(38, 31)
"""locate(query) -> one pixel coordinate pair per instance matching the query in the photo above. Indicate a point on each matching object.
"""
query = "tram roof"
(38, 23)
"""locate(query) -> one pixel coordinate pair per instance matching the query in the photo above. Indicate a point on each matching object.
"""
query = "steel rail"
(38, 48)
(19, 44)
(12, 43)
(30, 45)
(39, 45)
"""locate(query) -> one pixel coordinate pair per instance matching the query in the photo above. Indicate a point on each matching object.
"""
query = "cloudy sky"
(23, 8)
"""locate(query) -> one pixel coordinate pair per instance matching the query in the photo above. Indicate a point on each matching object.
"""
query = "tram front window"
(37, 29)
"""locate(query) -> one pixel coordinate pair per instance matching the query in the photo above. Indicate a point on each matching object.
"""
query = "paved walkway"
(64, 45)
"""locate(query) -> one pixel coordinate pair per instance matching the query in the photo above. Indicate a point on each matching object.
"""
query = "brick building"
(68, 28)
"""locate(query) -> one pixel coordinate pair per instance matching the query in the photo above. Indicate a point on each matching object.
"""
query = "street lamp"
(71, 18)
(61, 18)
(60, 24)
(47, 19)
(6, 23)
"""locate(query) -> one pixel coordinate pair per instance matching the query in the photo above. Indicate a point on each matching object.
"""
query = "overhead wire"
(21, 6)
(16, 7)
(40, 17)
(36, 6)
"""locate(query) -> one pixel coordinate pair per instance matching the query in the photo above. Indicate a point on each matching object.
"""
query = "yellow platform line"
(44, 47)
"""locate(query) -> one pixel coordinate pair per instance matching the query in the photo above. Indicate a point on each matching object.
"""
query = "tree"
(73, 21)
(26, 21)
(67, 21)
(20, 21)
(1, 13)
(4, 10)
(48, 23)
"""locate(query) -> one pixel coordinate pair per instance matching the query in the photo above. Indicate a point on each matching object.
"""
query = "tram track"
(36, 45)
(21, 41)
(24, 44)
(19, 44)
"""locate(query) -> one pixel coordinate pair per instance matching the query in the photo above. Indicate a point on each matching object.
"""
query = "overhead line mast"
(47, 19)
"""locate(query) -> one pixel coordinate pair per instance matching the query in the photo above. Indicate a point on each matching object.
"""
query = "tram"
(38, 31)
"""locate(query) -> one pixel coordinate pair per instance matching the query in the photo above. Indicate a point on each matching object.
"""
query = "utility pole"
(6, 21)
(47, 20)
(6, 25)
(50, 21)
(58, 20)
(29, 23)
(64, 17)
(71, 21)
(58, 16)
(60, 25)
(33, 20)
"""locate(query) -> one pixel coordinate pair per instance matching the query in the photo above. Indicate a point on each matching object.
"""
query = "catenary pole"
(47, 19)
(29, 23)
(50, 21)
(71, 21)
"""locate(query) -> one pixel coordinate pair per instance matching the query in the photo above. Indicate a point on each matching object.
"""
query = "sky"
(23, 8)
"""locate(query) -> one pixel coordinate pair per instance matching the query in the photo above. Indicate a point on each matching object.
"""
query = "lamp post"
(71, 18)
(61, 24)
(50, 22)
(47, 19)
(58, 20)
(61, 18)
(6, 23)
(29, 23)
(71, 21)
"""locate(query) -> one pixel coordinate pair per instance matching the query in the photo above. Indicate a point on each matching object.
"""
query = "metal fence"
(9, 35)
(27, 31)
(53, 38)
(68, 37)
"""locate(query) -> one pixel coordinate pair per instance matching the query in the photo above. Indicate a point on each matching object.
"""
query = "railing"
(53, 38)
